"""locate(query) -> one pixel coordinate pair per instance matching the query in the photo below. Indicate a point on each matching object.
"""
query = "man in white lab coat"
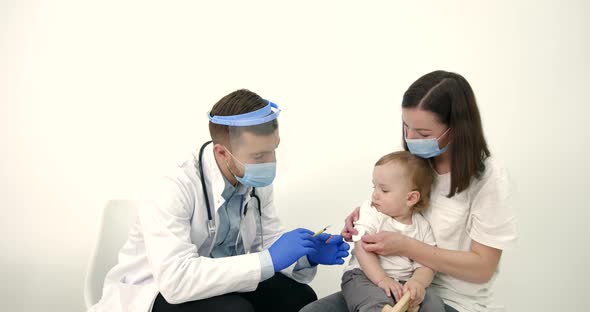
(208, 237)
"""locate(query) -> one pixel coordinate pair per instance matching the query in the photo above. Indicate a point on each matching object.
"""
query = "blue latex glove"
(290, 247)
(331, 252)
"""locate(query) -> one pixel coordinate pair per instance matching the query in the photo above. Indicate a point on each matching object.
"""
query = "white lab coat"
(168, 247)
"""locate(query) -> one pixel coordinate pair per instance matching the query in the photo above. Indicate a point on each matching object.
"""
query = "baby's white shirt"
(372, 221)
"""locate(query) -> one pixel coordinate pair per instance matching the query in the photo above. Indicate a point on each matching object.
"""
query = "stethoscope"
(210, 222)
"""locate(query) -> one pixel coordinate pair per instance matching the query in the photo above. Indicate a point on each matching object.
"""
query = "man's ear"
(412, 198)
(220, 151)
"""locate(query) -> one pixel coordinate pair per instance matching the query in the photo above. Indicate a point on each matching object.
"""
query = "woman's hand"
(417, 292)
(391, 286)
(385, 243)
(348, 231)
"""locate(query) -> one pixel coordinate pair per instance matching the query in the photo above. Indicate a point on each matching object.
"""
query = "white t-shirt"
(372, 221)
(481, 213)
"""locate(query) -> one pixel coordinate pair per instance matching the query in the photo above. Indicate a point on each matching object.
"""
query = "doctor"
(208, 237)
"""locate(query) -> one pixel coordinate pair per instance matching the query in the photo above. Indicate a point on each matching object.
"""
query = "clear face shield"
(252, 140)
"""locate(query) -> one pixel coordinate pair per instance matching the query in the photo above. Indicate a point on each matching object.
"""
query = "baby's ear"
(413, 198)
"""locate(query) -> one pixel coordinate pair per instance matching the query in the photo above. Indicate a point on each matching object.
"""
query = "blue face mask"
(257, 175)
(426, 148)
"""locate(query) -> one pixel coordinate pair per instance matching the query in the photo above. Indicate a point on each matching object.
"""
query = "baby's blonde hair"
(418, 171)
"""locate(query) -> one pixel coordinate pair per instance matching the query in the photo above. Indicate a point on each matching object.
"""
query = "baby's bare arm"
(423, 275)
(369, 263)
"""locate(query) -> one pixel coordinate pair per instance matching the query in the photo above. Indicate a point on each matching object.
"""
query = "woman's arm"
(476, 266)
(348, 231)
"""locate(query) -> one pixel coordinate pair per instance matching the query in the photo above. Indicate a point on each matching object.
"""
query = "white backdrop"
(99, 97)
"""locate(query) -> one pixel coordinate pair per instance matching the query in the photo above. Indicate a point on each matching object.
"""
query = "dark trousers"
(362, 295)
(278, 293)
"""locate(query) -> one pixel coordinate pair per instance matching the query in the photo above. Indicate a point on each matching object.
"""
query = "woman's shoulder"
(494, 173)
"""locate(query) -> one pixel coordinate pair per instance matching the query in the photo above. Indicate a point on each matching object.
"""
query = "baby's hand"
(391, 286)
(417, 292)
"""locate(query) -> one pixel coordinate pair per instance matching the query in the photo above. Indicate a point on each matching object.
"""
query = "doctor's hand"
(290, 247)
(349, 229)
(329, 250)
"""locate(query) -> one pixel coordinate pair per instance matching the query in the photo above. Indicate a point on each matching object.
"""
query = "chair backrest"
(118, 217)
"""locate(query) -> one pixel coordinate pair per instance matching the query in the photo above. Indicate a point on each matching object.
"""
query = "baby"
(401, 184)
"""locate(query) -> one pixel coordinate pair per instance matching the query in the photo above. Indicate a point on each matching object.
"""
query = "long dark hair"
(450, 97)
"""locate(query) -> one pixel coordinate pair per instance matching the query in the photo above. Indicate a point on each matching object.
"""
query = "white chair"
(118, 217)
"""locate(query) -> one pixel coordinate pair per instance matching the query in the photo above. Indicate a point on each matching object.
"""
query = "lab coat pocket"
(136, 297)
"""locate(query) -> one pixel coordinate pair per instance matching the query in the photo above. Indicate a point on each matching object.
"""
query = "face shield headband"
(268, 113)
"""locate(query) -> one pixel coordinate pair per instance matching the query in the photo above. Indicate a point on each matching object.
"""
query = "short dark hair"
(417, 170)
(450, 97)
(239, 102)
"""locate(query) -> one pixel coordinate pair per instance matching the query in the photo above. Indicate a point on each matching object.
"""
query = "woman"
(469, 212)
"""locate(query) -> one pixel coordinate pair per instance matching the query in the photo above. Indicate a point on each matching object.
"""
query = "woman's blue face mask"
(426, 148)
